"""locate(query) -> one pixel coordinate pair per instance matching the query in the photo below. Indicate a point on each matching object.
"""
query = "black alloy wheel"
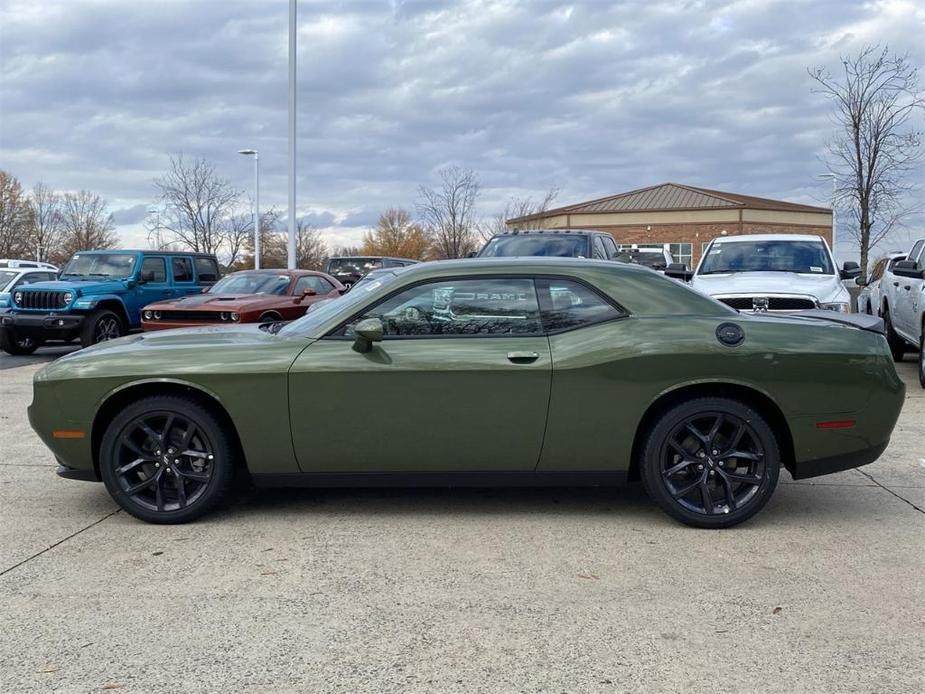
(896, 343)
(166, 460)
(18, 346)
(711, 462)
(100, 326)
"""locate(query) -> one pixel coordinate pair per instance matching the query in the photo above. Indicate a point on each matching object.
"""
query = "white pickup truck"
(775, 273)
(903, 307)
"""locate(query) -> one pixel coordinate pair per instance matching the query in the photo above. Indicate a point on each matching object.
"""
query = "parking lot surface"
(553, 590)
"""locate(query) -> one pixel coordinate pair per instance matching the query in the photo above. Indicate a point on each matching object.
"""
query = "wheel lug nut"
(700, 454)
(700, 467)
(715, 452)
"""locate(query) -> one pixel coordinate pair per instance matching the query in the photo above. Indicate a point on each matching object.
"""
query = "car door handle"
(523, 357)
(895, 284)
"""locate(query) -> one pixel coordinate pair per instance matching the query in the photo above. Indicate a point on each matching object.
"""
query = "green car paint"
(303, 401)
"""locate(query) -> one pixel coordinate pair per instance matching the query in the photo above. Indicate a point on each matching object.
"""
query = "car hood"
(824, 287)
(79, 287)
(221, 302)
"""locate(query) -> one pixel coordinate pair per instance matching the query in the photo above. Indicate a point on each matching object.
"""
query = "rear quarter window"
(206, 270)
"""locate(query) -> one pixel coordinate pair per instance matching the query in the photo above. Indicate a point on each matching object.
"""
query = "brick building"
(685, 217)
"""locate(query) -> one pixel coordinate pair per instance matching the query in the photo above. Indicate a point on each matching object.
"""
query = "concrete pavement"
(553, 590)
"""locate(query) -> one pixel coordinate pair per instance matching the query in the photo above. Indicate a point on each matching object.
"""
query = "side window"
(597, 248)
(319, 284)
(206, 270)
(153, 270)
(610, 246)
(459, 307)
(182, 269)
(567, 305)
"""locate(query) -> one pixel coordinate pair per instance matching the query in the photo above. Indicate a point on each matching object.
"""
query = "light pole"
(256, 156)
(290, 255)
(834, 200)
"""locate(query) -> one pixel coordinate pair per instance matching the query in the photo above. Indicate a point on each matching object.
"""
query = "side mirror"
(850, 271)
(679, 271)
(205, 290)
(308, 291)
(367, 332)
(861, 282)
(471, 254)
(908, 268)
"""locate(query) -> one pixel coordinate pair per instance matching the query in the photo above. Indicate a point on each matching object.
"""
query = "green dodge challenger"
(508, 371)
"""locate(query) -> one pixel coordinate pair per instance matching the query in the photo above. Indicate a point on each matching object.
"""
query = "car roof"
(17, 264)
(146, 251)
(571, 232)
(767, 237)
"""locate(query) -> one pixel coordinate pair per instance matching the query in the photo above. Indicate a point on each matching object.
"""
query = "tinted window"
(809, 257)
(357, 266)
(319, 284)
(550, 245)
(567, 305)
(459, 307)
(206, 270)
(154, 270)
(182, 269)
(610, 246)
(598, 248)
(652, 260)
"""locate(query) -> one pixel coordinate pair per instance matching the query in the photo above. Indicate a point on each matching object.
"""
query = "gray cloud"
(593, 98)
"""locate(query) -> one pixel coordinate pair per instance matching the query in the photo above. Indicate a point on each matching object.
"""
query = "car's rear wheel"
(100, 326)
(18, 346)
(710, 462)
(167, 459)
(896, 343)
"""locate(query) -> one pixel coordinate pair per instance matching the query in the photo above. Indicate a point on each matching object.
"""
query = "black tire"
(17, 347)
(270, 316)
(157, 459)
(870, 309)
(922, 357)
(896, 343)
(100, 326)
(666, 474)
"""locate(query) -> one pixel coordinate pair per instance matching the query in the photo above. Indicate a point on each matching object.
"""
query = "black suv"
(556, 243)
(349, 269)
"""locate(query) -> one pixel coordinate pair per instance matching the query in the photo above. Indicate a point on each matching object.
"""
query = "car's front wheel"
(17, 346)
(100, 326)
(710, 462)
(167, 459)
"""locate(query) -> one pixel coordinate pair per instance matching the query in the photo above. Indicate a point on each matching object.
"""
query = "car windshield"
(252, 283)
(809, 257)
(330, 309)
(6, 276)
(656, 261)
(99, 265)
(353, 265)
(551, 245)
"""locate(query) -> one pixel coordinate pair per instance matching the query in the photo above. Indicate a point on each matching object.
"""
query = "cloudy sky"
(593, 98)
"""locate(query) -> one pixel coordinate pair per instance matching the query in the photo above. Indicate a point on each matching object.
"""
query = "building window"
(682, 252)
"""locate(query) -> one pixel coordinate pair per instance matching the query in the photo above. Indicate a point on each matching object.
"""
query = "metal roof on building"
(669, 197)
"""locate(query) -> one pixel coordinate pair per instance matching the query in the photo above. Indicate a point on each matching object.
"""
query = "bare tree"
(397, 235)
(310, 249)
(196, 204)
(238, 233)
(85, 225)
(45, 233)
(15, 219)
(875, 99)
(448, 212)
(514, 208)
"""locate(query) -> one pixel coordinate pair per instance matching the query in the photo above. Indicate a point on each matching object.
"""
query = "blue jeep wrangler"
(99, 296)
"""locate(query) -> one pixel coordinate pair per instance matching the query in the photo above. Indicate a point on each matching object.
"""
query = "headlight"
(67, 298)
(157, 315)
(223, 315)
(839, 307)
(146, 315)
(235, 316)
(17, 297)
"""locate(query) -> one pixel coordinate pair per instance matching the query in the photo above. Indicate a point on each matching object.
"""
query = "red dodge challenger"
(245, 297)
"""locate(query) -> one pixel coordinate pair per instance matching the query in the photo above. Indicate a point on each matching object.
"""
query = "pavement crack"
(883, 486)
(59, 542)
